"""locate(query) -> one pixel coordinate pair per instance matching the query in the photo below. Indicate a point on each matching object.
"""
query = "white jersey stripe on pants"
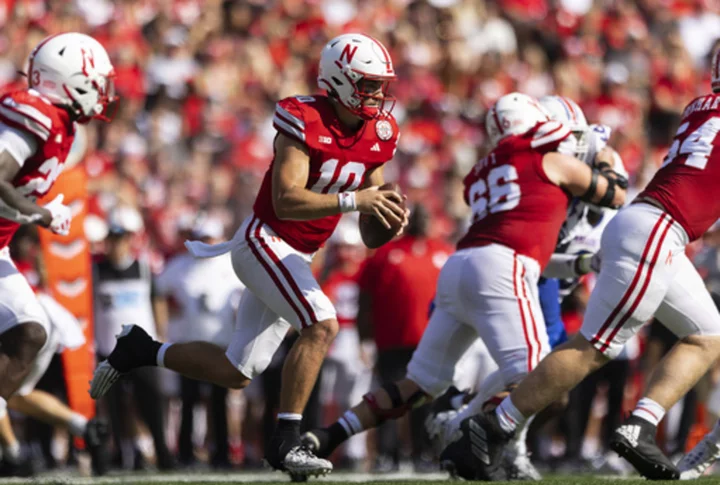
(283, 278)
(644, 274)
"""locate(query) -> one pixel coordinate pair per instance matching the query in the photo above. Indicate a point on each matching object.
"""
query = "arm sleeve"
(288, 120)
(19, 144)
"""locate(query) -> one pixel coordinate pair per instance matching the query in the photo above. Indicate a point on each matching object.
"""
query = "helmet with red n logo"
(73, 70)
(356, 70)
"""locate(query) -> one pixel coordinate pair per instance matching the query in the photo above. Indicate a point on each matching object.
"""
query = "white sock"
(12, 452)
(290, 416)
(519, 442)
(161, 354)
(508, 415)
(649, 410)
(351, 423)
(473, 407)
(78, 424)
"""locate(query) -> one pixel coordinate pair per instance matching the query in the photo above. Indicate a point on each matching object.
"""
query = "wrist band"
(346, 200)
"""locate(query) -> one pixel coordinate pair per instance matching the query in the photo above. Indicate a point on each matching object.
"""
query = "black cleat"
(317, 441)
(485, 439)
(635, 441)
(95, 436)
(134, 348)
(22, 468)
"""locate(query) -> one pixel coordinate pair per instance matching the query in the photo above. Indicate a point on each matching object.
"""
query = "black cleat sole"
(651, 471)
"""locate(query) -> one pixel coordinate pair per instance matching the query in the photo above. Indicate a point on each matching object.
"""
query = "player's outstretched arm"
(18, 207)
(592, 185)
(293, 201)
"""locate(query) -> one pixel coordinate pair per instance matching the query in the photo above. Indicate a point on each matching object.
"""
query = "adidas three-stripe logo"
(631, 433)
(478, 442)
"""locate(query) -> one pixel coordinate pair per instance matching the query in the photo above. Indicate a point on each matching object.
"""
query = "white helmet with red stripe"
(356, 69)
(73, 70)
(566, 111)
(513, 114)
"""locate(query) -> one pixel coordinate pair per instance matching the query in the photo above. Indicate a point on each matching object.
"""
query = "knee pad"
(398, 406)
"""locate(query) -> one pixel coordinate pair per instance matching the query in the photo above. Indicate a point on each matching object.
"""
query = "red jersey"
(339, 162)
(512, 200)
(400, 279)
(689, 180)
(54, 131)
(343, 290)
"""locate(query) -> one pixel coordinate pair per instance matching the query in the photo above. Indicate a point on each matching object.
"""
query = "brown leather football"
(372, 231)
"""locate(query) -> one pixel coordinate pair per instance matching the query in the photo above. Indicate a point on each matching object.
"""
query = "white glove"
(61, 216)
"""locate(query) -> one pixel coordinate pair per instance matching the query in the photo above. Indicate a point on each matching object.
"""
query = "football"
(373, 233)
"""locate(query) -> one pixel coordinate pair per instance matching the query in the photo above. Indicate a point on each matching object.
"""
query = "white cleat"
(698, 460)
(443, 428)
(519, 467)
(103, 379)
(301, 463)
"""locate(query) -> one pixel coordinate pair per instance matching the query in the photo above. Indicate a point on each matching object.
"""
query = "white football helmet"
(354, 68)
(566, 111)
(513, 114)
(73, 70)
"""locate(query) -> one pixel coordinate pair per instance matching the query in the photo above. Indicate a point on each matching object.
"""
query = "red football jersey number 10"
(334, 179)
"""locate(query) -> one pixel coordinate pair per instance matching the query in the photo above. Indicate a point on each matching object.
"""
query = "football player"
(70, 81)
(330, 150)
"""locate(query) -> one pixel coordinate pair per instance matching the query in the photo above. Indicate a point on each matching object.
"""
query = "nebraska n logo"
(348, 52)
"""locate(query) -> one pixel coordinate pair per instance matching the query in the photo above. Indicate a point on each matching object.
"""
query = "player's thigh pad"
(642, 252)
(279, 275)
(497, 292)
(445, 340)
(258, 333)
(18, 303)
(688, 308)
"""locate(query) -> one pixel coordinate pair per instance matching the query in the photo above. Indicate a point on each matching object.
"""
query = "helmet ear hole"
(336, 81)
(80, 91)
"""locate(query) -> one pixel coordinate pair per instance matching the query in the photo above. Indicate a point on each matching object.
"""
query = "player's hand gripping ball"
(374, 234)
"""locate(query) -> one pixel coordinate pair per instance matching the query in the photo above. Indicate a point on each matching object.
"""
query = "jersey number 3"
(697, 145)
(497, 193)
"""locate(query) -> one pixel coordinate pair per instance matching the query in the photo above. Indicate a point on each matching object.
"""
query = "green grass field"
(337, 479)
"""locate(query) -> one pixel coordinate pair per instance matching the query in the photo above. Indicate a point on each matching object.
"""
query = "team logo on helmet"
(384, 130)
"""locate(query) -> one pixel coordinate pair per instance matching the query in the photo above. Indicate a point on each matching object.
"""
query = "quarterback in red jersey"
(519, 195)
(70, 81)
(645, 272)
(329, 155)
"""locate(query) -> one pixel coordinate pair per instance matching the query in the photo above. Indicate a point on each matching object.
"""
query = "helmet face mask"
(73, 70)
(356, 70)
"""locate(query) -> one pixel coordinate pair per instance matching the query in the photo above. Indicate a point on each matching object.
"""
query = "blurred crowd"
(198, 81)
